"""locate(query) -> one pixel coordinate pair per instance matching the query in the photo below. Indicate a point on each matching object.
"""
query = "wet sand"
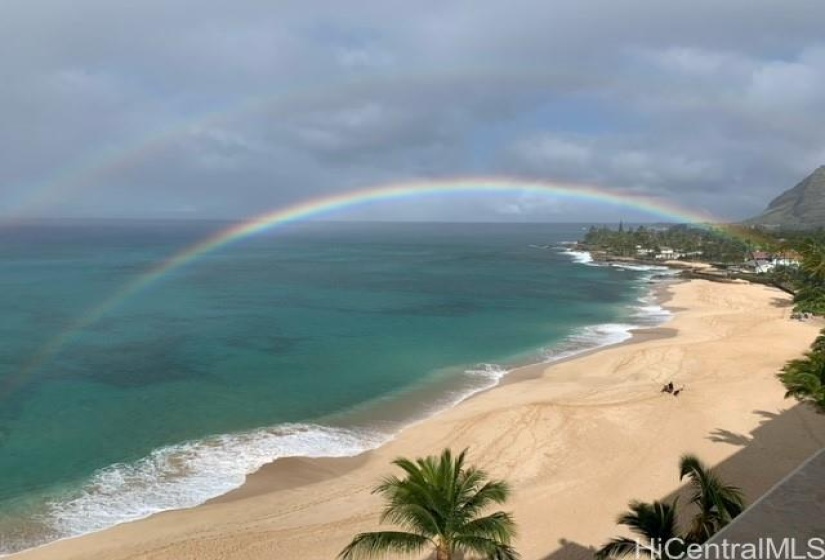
(577, 439)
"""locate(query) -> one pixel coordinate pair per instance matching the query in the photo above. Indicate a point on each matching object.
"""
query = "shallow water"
(320, 339)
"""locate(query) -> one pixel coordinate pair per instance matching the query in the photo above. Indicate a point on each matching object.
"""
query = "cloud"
(258, 105)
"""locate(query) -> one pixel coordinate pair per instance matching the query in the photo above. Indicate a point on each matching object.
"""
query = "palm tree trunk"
(442, 553)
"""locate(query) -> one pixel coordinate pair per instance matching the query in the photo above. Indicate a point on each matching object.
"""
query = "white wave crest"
(651, 313)
(188, 474)
(493, 372)
(580, 257)
(640, 267)
(589, 338)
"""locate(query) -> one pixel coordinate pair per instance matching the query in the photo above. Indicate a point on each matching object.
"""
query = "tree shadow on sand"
(782, 303)
(764, 458)
(721, 435)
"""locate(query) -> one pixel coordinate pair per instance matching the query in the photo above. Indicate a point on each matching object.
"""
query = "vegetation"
(804, 378)
(718, 503)
(715, 504)
(728, 245)
(439, 503)
(716, 245)
(656, 523)
(810, 279)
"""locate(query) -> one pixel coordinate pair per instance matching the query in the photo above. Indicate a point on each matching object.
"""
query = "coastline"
(359, 431)
(326, 499)
(293, 472)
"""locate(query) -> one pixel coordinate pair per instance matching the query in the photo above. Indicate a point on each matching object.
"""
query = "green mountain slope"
(803, 206)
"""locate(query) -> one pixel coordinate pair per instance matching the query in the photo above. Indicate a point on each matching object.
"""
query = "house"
(666, 253)
(779, 260)
(786, 258)
(762, 261)
(759, 266)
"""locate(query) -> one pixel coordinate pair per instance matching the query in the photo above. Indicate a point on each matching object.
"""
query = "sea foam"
(646, 313)
(589, 338)
(581, 257)
(188, 474)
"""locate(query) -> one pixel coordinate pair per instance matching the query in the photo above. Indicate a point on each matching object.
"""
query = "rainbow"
(329, 205)
(91, 170)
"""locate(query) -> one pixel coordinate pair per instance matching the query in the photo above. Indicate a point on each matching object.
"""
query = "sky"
(216, 109)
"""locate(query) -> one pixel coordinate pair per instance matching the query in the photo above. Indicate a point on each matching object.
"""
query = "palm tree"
(819, 344)
(654, 522)
(804, 378)
(813, 260)
(810, 288)
(718, 502)
(439, 503)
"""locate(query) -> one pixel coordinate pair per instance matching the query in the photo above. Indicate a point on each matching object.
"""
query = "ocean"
(319, 339)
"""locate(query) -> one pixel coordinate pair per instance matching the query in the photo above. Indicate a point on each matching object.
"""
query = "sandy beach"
(577, 440)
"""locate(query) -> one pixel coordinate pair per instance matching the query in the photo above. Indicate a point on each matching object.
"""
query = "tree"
(654, 522)
(813, 260)
(438, 502)
(718, 502)
(804, 378)
(810, 293)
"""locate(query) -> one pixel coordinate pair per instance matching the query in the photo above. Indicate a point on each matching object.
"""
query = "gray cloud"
(204, 109)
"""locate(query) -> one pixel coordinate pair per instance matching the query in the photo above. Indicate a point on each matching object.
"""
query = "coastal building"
(667, 253)
(786, 258)
(759, 266)
(760, 262)
(784, 261)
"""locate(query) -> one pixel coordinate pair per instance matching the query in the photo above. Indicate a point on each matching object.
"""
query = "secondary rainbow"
(335, 204)
(104, 166)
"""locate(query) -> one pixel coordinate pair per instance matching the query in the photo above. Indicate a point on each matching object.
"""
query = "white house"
(666, 254)
(759, 266)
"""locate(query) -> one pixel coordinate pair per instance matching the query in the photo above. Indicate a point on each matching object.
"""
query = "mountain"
(800, 207)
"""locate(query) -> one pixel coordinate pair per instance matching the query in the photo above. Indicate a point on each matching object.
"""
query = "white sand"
(577, 441)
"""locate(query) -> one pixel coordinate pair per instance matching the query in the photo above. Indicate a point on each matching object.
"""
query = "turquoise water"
(321, 339)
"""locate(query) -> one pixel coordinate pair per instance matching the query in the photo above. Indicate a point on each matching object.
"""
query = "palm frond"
(656, 520)
(493, 492)
(804, 378)
(371, 545)
(415, 517)
(485, 547)
(618, 548)
(718, 502)
(438, 500)
(499, 526)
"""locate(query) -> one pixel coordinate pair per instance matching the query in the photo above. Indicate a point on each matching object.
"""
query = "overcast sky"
(171, 108)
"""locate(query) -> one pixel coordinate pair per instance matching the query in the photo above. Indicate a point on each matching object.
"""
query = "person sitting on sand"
(668, 388)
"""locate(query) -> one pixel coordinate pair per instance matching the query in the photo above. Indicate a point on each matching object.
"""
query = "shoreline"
(288, 480)
(380, 422)
(280, 474)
